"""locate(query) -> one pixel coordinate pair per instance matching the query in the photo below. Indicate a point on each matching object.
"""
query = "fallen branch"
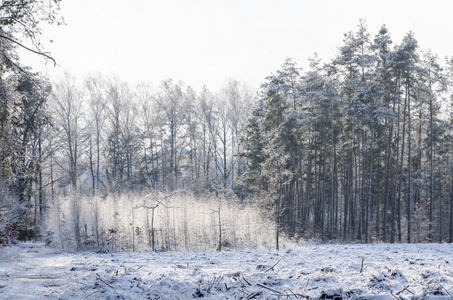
(298, 296)
(243, 277)
(90, 294)
(104, 281)
(253, 295)
(272, 268)
(406, 288)
(270, 289)
(292, 295)
(448, 293)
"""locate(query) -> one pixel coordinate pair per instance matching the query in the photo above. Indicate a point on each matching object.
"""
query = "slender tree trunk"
(98, 154)
(172, 156)
(418, 165)
(316, 193)
(308, 198)
(401, 170)
(52, 186)
(370, 182)
(219, 216)
(332, 195)
(431, 169)
(355, 190)
(347, 191)
(278, 213)
(225, 173)
(40, 182)
(387, 182)
(440, 233)
(93, 178)
(451, 210)
(409, 164)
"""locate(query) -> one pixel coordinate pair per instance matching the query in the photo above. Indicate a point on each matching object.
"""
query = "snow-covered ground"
(381, 271)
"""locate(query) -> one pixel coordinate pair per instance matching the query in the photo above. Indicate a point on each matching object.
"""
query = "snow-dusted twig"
(99, 276)
(298, 296)
(448, 293)
(91, 294)
(406, 288)
(243, 277)
(272, 268)
(394, 296)
(308, 281)
(270, 289)
(361, 267)
(253, 295)
(212, 282)
(447, 270)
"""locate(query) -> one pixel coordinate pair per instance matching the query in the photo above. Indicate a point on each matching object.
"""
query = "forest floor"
(378, 271)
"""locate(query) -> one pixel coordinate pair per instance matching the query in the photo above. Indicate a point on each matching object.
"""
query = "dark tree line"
(359, 148)
(23, 97)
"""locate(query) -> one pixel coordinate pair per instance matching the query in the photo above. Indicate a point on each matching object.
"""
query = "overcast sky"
(206, 41)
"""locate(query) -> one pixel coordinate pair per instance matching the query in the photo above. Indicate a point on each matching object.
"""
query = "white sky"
(206, 41)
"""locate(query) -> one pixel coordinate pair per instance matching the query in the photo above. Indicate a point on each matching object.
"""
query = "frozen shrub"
(8, 232)
(159, 222)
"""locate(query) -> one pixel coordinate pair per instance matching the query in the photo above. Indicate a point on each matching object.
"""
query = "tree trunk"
(431, 168)
(451, 211)
(400, 184)
(370, 181)
(409, 164)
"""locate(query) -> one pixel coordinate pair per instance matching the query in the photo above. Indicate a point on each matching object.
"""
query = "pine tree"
(431, 83)
(406, 59)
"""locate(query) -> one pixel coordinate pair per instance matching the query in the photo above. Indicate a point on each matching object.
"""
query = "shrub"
(159, 222)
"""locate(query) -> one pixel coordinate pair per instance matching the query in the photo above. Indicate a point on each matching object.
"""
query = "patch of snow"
(379, 271)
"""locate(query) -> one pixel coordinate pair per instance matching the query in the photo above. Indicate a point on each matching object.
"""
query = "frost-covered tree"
(95, 92)
(321, 126)
(238, 103)
(172, 107)
(148, 123)
(68, 112)
(407, 58)
(431, 83)
(123, 139)
(449, 101)
(20, 27)
(363, 139)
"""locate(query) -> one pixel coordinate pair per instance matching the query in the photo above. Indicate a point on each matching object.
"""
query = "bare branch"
(29, 49)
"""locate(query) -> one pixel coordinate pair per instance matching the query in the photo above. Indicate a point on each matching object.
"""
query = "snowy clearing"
(380, 271)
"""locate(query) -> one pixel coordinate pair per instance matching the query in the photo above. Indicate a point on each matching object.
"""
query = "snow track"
(382, 271)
